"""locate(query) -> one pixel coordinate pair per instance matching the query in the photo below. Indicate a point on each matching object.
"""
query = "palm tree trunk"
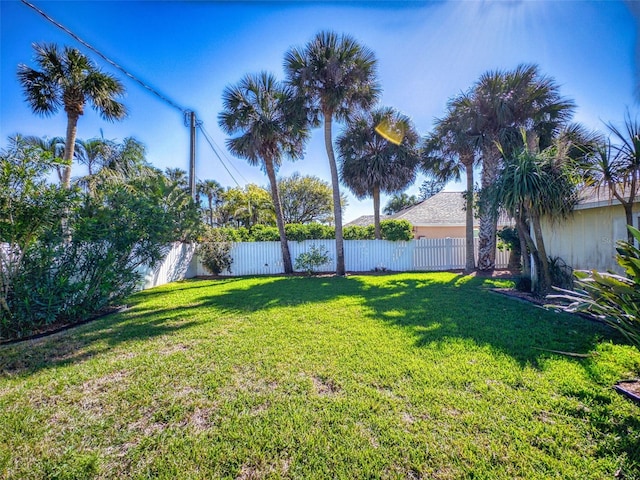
(525, 245)
(488, 214)
(376, 212)
(628, 213)
(69, 146)
(210, 200)
(72, 128)
(275, 196)
(470, 262)
(544, 276)
(337, 207)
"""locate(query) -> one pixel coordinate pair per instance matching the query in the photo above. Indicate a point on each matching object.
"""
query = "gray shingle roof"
(444, 208)
(365, 220)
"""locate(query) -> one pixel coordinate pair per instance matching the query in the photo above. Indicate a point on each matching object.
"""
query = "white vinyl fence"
(175, 266)
(262, 258)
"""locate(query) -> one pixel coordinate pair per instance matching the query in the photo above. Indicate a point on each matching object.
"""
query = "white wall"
(175, 266)
(587, 240)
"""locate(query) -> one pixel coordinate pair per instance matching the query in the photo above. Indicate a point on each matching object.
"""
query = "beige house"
(440, 216)
(587, 239)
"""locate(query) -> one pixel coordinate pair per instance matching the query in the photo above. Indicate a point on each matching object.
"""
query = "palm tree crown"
(69, 79)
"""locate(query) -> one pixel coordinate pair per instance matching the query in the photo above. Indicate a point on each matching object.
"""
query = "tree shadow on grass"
(81, 343)
(434, 308)
(465, 308)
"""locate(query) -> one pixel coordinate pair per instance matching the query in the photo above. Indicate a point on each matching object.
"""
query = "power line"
(186, 113)
(230, 162)
(106, 59)
(209, 141)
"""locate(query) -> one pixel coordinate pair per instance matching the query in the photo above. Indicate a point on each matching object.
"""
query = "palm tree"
(260, 110)
(54, 146)
(121, 162)
(212, 190)
(532, 185)
(334, 75)
(69, 79)
(92, 153)
(616, 167)
(370, 164)
(177, 176)
(448, 151)
(503, 103)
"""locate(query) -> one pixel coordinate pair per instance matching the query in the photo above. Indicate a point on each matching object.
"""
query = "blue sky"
(427, 52)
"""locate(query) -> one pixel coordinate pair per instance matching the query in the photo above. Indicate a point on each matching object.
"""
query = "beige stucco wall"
(587, 239)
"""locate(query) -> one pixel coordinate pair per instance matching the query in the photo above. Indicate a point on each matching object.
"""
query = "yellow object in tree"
(391, 131)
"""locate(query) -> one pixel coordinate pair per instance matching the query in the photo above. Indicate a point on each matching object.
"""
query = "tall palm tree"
(448, 151)
(370, 164)
(503, 103)
(212, 190)
(334, 75)
(260, 111)
(616, 167)
(69, 79)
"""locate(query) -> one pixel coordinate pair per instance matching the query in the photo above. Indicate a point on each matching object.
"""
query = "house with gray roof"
(440, 216)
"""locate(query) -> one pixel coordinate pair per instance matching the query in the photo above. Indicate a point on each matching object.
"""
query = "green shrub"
(561, 273)
(309, 231)
(396, 230)
(296, 232)
(393, 230)
(214, 250)
(357, 232)
(121, 227)
(318, 231)
(313, 259)
(612, 298)
(264, 233)
(240, 234)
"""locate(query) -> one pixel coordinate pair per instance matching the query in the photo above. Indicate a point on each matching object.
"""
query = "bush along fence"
(265, 258)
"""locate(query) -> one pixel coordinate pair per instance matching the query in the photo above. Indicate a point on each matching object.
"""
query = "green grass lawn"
(393, 376)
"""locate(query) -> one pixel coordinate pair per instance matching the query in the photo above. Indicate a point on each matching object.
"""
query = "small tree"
(310, 261)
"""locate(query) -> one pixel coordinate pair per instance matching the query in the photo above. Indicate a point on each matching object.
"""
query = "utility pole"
(192, 156)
